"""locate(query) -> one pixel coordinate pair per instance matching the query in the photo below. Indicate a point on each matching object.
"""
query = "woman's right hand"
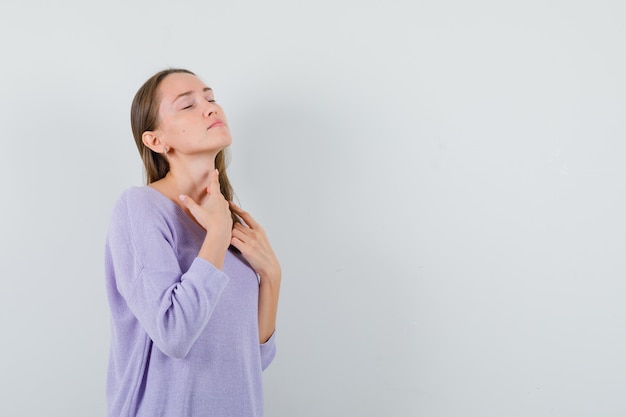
(213, 214)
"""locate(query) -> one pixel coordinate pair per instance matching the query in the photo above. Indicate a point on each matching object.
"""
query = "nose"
(210, 109)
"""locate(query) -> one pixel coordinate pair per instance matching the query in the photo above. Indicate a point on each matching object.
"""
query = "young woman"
(192, 280)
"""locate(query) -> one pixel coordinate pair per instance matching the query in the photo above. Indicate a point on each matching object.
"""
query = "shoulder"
(137, 196)
(135, 204)
(144, 213)
(138, 199)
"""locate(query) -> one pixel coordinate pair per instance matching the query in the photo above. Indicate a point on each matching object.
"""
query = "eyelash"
(191, 105)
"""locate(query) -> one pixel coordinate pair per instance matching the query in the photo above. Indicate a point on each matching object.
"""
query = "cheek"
(178, 127)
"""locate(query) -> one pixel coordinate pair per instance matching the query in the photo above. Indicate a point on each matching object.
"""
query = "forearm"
(174, 309)
(252, 242)
(268, 306)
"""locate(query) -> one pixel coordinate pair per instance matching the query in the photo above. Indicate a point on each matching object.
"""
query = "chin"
(220, 142)
(227, 140)
(225, 144)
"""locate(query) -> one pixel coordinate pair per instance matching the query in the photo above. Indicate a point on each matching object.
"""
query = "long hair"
(144, 116)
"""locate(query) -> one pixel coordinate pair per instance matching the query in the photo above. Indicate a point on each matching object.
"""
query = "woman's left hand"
(253, 244)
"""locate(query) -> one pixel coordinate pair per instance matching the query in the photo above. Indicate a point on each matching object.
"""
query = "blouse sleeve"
(268, 351)
(172, 306)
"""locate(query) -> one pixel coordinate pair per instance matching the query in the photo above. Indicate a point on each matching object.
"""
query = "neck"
(190, 177)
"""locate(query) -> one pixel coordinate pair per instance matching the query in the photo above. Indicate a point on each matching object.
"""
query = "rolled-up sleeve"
(268, 351)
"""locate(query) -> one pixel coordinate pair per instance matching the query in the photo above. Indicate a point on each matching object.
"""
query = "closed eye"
(210, 100)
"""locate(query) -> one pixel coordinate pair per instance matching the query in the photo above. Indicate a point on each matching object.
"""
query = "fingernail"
(181, 197)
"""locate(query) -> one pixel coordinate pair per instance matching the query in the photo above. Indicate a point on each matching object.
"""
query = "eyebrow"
(186, 93)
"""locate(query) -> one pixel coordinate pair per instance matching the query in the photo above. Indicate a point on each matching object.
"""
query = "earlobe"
(152, 141)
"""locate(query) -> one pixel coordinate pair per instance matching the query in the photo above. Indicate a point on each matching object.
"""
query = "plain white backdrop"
(444, 184)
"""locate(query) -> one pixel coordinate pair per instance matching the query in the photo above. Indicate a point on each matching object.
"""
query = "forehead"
(178, 83)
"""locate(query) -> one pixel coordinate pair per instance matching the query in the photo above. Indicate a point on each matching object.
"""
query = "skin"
(193, 128)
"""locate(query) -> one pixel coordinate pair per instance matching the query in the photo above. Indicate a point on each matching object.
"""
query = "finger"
(239, 234)
(238, 243)
(245, 216)
(214, 182)
(242, 232)
(189, 203)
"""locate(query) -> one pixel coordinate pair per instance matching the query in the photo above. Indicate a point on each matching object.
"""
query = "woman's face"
(190, 122)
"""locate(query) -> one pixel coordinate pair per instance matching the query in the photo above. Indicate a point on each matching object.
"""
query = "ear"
(152, 141)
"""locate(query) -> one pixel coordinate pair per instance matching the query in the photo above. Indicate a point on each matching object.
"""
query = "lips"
(216, 123)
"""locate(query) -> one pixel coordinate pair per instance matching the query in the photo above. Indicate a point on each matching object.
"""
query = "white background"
(443, 181)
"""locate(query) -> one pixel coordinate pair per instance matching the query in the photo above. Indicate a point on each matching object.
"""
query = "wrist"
(272, 277)
(214, 251)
